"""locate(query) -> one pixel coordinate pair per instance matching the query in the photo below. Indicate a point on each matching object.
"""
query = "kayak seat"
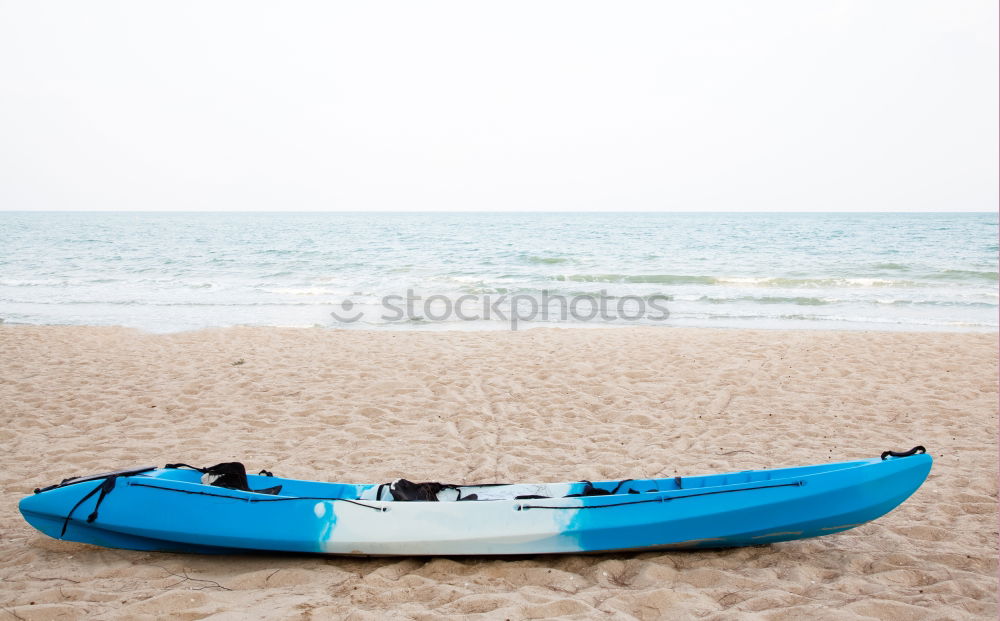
(229, 475)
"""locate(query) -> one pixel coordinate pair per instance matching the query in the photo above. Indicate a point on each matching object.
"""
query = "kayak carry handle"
(913, 451)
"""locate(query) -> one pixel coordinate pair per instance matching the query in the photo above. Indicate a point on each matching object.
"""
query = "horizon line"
(459, 211)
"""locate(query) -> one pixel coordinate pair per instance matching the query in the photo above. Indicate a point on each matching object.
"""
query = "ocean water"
(178, 271)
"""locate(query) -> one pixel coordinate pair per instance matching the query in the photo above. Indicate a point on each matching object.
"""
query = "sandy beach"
(536, 405)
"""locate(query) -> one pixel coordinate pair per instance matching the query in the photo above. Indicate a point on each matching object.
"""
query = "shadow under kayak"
(177, 509)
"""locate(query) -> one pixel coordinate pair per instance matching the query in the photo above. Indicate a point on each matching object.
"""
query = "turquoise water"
(178, 271)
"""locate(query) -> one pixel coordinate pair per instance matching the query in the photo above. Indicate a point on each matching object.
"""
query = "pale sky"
(800, 105)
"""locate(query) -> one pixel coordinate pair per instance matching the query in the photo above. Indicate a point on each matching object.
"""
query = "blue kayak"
(184, 509)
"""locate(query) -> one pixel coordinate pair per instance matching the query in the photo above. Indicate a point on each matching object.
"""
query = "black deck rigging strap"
(660, 498)
(253, 500)
(94, 477)
(105, 488)
(913, 451)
